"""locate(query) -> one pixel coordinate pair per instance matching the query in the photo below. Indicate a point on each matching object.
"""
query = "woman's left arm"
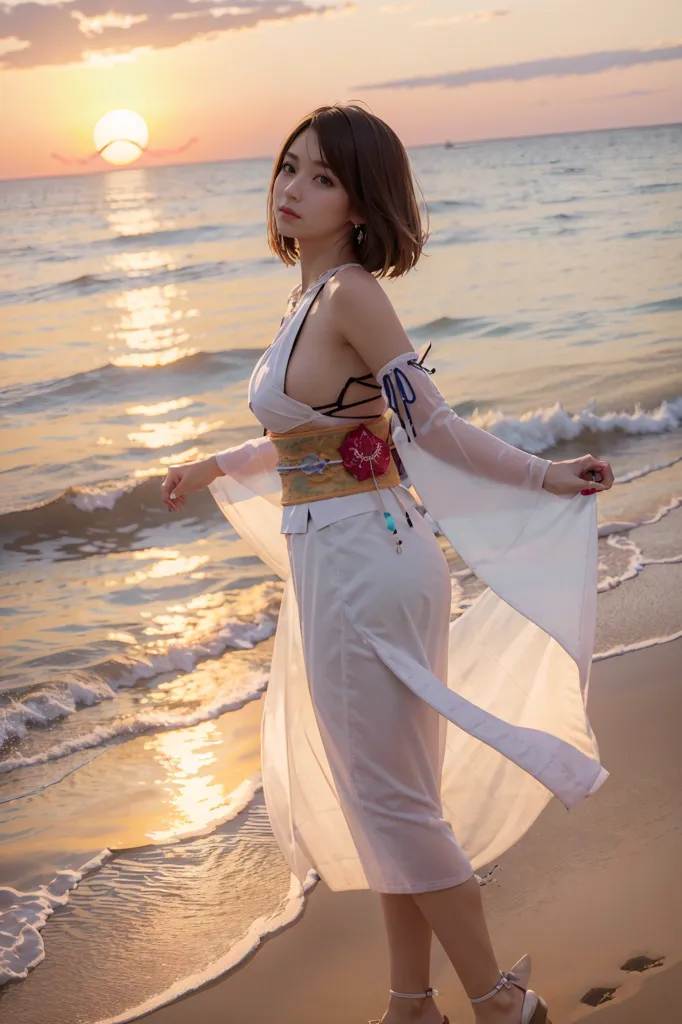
(369, 323)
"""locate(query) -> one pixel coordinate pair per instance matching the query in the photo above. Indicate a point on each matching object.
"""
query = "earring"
(360, 233)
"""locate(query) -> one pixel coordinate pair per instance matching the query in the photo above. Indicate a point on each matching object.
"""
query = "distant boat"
(448, 144)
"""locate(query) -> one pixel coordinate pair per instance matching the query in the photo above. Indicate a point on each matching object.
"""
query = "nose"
(291, 190)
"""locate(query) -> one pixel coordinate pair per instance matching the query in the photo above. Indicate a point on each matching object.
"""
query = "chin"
(287, 225)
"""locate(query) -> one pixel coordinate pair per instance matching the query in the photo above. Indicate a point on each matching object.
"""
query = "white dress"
(401, 751)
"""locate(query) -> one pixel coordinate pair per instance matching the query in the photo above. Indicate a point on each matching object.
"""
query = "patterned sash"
(335, 461)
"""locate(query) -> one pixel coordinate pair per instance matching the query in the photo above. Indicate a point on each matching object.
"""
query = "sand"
(583, 892)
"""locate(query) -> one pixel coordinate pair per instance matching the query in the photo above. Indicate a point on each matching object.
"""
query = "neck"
(315, 264)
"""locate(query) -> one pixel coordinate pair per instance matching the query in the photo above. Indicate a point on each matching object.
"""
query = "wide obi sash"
(332, 462)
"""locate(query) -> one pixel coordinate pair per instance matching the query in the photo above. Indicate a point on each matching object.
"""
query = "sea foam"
(24, 914)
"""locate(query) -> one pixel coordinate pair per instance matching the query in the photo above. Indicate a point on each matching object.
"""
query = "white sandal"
(534, 1010)
(414, 995)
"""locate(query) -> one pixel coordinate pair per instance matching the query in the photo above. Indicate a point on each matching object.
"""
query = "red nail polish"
(592, 490)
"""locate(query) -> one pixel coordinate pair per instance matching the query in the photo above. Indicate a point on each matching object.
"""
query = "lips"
(287, 210)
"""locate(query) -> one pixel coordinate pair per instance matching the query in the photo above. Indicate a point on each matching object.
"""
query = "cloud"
(95, 26)
(34, 34)
(460, 19)
(555, 67)
(10, 44)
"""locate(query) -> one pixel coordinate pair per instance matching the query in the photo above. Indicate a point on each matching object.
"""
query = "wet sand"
(584, 891)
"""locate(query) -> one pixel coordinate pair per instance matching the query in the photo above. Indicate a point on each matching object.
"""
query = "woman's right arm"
(370, 325)
(257, 455)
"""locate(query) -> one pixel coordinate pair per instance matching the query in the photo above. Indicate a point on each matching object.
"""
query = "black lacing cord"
(338, 406)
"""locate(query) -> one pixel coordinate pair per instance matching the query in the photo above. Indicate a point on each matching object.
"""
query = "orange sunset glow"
(215, 82)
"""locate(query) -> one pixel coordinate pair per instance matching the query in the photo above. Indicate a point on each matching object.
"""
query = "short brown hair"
(370, 161)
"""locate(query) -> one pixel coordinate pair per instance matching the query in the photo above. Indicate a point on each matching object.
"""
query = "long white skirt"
(352, 752)
(384, 745)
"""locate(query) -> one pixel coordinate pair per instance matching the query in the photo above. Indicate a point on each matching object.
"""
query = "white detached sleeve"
(249, 459)
(250, 497)
(422, 412)
(537, 551)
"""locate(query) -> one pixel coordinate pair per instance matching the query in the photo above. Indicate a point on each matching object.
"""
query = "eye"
(286, 164)
(326, 178)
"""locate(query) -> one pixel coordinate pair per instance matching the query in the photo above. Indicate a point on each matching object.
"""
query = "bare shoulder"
(366, 319)
(356, 288)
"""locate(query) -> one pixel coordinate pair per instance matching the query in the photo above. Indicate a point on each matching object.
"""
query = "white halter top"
(280, 413)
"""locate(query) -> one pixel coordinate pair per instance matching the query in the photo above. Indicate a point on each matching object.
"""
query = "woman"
(401, 751)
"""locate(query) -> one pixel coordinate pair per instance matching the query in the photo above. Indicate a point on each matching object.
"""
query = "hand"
(569, 477)
(189, 476)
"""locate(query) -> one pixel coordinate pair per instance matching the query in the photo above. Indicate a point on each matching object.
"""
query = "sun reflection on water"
(128, 199)
(165, 435)
(151, 326)
(170, 563)
(195, 800)
(160, 408)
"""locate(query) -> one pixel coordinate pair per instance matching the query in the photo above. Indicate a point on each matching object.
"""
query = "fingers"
(170, 490)
(598, 472)
(606, 474)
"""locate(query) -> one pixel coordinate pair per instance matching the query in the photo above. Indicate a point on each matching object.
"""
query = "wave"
(658, 186)
(640, 645)
(469, 236)
(537, 431)
(637, 562)
(673, 305)
(19, 787)
(449, 327)
(44, 704)
(170, 236)
(94, 284)
(136, 503)
(24, 914)
(445, 205)
(87, 521)
(613, 532)
(636, 474)
(260, 930)
(621, 526)
(147, 721)
(106, 383)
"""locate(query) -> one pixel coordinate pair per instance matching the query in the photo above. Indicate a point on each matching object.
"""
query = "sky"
(222, 81)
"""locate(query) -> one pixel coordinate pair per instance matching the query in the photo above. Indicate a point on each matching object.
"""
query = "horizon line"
(424, 145)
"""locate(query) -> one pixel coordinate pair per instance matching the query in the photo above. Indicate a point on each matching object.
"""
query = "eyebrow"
(318, 163)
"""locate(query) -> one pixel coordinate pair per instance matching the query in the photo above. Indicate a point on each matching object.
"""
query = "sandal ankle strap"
(506, 981)
(414, 995)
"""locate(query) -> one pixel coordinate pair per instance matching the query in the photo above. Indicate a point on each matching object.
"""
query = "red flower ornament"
(364, 454)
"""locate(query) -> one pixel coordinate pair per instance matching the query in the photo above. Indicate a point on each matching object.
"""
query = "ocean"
(137, 861)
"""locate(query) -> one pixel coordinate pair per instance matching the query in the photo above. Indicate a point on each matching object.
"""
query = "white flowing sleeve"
(536, 550)
(422, 411)
(250, 496)
(250, 459)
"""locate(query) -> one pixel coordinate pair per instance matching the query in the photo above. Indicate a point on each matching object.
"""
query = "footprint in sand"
(597, 996)
(642, 963)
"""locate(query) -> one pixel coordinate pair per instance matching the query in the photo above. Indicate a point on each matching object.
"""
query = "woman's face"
(313, 193)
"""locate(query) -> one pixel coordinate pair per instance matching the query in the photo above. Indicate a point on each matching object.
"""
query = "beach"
(137, 862)
(584, 891)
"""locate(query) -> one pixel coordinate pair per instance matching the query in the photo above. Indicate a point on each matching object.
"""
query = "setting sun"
(121, 136)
